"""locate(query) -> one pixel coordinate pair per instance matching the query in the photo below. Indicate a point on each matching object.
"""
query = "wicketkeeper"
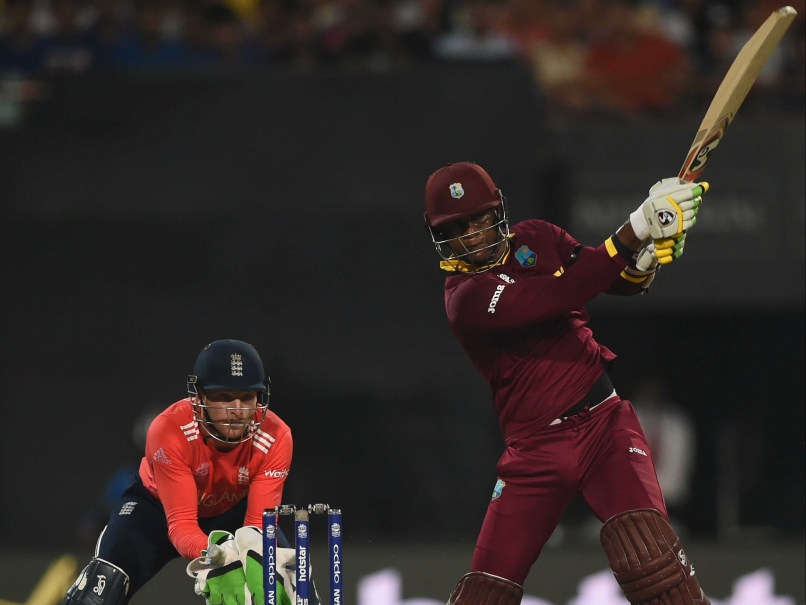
(214, 461)
(515, 300)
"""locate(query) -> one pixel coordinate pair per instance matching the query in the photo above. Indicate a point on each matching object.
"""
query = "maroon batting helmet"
(456, 191)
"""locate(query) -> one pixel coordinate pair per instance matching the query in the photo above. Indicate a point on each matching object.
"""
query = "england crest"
(456, 190)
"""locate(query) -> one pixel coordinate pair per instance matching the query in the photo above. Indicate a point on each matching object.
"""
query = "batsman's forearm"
(626, 236)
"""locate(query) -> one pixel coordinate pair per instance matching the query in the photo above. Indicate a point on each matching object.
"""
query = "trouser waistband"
(601, 391)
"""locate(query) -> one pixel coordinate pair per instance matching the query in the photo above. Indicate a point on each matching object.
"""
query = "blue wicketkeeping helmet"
(228, 365)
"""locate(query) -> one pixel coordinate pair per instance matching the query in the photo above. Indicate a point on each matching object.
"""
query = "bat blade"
(733, 90)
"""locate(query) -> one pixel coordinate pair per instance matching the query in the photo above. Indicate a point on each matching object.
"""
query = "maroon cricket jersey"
(523, 325)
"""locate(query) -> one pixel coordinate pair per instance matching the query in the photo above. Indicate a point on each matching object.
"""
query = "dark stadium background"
(146, 213)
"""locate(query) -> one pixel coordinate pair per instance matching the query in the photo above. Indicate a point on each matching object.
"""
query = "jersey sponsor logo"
(236, 364)
(456, 190)
(276, 474)
(498, 489)
(526, 257)
(506, 278)
(161, 457)
(666, 217)
(494, 300)
(127, 508)
(635, 450)
(243, 475)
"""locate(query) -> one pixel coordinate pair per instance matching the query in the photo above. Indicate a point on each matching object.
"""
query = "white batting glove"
(646, 260)
(660, 252)
(669, 211)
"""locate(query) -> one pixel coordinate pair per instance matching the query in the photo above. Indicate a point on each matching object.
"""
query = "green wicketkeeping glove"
(219, 574)
(250, 545)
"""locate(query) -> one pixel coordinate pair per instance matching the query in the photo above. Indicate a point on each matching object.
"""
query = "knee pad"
(648, 560)
(478, 588)
(101, 583)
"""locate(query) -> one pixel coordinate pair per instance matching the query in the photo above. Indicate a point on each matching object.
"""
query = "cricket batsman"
(514, 300)
(214, 461)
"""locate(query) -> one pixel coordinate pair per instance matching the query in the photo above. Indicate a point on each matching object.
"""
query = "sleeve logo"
(161, 457)
(496, 296)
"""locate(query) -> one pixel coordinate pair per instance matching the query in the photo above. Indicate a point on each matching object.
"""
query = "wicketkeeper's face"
(474, 235)
(231, 411)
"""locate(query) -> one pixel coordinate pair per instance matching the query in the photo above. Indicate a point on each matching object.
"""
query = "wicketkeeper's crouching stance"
(515, 303)
(214, 461)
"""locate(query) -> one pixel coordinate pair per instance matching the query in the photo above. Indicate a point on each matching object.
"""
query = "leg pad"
(648, 560)
(479, 588)
(101, 583)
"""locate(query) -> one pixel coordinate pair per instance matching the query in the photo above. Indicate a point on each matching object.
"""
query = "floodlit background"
(175, 172)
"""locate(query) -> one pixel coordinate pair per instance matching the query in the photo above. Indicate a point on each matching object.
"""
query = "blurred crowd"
(625, 55)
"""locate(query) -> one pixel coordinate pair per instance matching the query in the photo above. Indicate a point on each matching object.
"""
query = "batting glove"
(669, 211)
(660, 252)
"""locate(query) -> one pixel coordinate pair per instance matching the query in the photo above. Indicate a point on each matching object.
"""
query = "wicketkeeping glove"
(219, 573)
(250, 545)
(669, 211)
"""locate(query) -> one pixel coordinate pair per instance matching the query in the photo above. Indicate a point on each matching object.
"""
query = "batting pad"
(648, 560)
(478, 588)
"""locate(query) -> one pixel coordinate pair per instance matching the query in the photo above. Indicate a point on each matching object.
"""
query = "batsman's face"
(474, 235)
(231, 411)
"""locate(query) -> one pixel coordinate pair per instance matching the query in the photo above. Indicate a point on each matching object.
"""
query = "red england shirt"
(523, 325)
(192, 479)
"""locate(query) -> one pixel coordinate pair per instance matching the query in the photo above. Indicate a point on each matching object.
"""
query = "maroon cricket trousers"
(601, 454)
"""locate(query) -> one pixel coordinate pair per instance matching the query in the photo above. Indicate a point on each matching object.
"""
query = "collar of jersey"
(460, 266)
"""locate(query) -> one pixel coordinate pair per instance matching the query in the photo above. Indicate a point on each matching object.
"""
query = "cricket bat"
(730, 95)
(734, 89)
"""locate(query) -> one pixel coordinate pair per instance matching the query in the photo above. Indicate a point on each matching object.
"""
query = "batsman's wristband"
(621, 248)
